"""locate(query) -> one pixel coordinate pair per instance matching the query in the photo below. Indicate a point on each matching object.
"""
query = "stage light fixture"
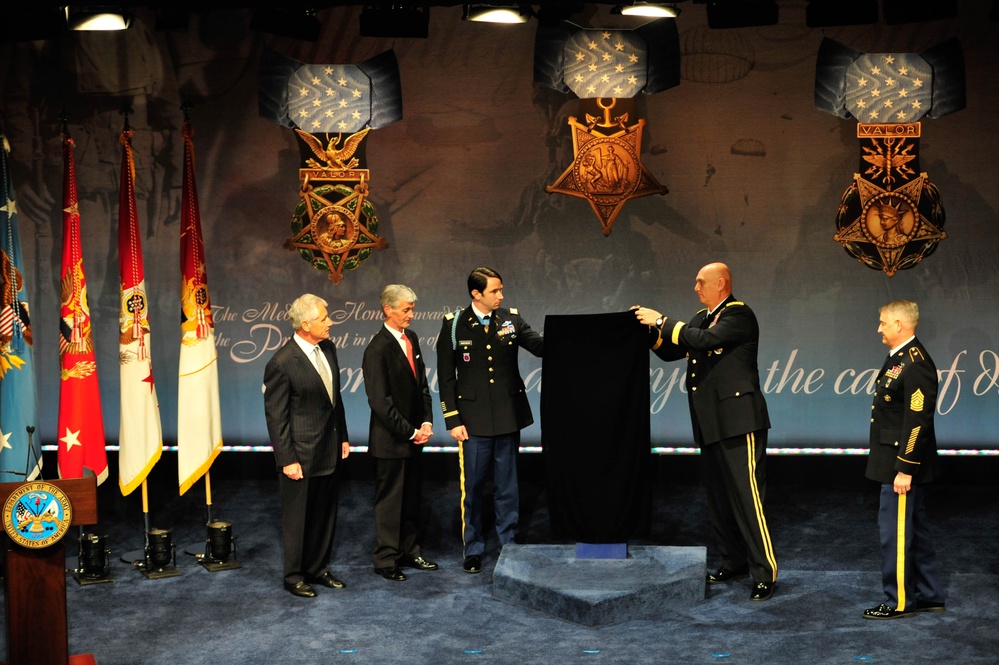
(647, 9)
(741, 13)
(299, 24)
(826, 13)
(97, 18)
(395, 21)
(94, 559)
(496, 13)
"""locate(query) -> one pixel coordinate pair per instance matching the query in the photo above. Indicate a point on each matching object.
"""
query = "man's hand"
(423, 434)
(903, 483)
(345, 450)
(459, 433)
(293, 471)
(645, 315)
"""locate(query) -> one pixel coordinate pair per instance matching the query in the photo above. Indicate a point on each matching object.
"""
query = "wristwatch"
(660, 321)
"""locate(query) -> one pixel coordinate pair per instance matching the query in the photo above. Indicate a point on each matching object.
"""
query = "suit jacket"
(399, 401)
(723, 378)
(304, 426)
(905, 399)
(478, 374)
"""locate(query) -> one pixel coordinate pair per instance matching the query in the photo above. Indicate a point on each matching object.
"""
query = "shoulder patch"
(449, 316)
(514, 311)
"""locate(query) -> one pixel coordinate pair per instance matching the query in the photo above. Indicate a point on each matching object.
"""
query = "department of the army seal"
(37, 514)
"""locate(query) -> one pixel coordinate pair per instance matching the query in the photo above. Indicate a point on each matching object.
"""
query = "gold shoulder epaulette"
(736, 302)
(513, 310)
(449, 316)
(703, 309)
(915, 354)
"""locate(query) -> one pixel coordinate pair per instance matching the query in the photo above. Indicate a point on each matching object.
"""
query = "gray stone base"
(599, 592)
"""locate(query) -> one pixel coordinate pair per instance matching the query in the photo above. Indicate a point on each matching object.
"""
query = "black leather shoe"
(473, 564)
(327, 580)
(417, 562)
(300, 589)
(927, 606)
(391, 573)
(762, 591)
(882, 611)
(723, 575)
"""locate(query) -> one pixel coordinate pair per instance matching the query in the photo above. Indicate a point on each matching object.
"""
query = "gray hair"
(305, 308)
(393, 294)
(907, 311)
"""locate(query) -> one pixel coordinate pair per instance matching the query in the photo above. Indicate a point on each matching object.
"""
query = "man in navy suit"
(730, 421)
(308, 430)
(395, 380)
(903, 457)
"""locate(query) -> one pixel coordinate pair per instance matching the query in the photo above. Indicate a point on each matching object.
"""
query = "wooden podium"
(35, 590)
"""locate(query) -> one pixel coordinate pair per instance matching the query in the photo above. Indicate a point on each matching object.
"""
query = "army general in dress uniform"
(485, 405)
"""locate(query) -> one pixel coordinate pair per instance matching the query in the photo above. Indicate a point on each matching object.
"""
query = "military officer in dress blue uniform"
(485, 405)
(730, 421)
(903, 457)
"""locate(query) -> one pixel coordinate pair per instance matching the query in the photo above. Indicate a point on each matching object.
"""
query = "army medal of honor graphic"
(37, 514)
(891, 216)
(335, 227)
(332, 108)
(607, 169)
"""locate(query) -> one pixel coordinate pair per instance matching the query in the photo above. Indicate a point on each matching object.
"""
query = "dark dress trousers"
(400, 403)
(903, 440)
(481, 388)
(305, 426)
(729, 416)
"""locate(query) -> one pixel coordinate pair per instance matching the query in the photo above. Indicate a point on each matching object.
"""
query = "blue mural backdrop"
(755, 174)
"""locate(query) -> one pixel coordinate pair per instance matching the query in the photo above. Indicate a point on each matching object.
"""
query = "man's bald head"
(713, 284)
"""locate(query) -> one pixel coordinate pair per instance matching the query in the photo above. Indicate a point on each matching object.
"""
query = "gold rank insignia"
(334, 227)
(607, 169)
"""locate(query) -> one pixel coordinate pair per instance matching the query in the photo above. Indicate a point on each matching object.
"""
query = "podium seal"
(37, 514)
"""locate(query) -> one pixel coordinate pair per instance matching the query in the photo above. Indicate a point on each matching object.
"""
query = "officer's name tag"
(464, 342)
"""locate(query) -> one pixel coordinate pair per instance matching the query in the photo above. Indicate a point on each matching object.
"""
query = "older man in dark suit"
(395, 380)
(730, 421)
(308, 430)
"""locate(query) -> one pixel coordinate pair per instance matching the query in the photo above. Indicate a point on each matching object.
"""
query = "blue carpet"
(825, 539)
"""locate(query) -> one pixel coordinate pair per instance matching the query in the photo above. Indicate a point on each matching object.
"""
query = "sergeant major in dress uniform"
(485, 405)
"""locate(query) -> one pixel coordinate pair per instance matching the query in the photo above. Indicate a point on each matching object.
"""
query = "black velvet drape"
(595, 426)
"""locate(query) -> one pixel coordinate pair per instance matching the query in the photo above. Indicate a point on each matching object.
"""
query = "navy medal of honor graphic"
(891, 216)
(37, 514)
(606, 69)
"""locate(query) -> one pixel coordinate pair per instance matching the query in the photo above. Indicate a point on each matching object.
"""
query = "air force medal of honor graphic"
(891, 216)
(37, 515)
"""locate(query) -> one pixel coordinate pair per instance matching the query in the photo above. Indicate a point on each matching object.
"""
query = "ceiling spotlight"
(647, 9)
(496, 13)
(96, 18)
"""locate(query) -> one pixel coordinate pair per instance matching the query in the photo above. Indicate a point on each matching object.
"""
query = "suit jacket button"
(492, 380)
(737, 393)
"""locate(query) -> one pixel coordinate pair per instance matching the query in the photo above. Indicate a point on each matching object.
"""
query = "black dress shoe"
(327, 580)
(417, 562)
(762, 591)
(473, 564)
(927, 606)
(882, 611)
(300, 589)
(391, 573)
(723, 575)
